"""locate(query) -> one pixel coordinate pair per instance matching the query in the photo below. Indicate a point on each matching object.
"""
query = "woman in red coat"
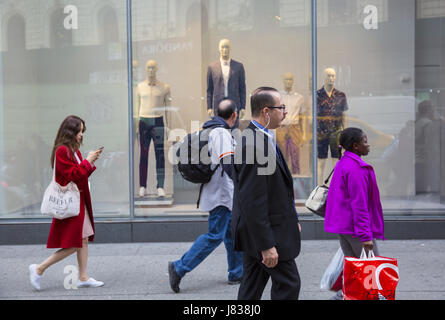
(71, 234)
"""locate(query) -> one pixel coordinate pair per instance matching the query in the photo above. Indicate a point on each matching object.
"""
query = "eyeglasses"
(282, 107)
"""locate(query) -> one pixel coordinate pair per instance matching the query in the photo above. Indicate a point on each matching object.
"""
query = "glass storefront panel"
(387, 56)
(70, 57)
(175, 46)
(60, 58)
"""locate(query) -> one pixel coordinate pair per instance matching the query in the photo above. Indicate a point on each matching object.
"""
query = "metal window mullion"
(130, 108)
(314, 91)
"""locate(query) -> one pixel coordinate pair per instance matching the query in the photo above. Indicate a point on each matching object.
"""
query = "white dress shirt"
(225, 67)
(294, 103)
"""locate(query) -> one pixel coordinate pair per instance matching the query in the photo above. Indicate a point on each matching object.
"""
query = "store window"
(174, 86)
(382, 59)
(62, 69)
(385, 62)
(60, 36)
(16, 33)
(108, 25)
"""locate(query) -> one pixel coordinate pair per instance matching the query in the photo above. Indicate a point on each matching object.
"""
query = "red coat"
(67, 233)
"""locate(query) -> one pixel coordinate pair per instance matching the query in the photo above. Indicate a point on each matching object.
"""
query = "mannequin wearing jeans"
(152, 97)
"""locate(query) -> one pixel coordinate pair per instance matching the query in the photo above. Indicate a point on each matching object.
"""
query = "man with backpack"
(216, 197)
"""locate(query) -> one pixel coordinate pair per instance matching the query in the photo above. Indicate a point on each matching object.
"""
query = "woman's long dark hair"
(348, 137)
(66, 136)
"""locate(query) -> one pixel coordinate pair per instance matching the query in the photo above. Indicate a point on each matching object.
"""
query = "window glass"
(385, 58)
(181, 43)
(57, 59)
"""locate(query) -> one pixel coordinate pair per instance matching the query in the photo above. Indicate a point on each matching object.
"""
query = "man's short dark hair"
(225, 109)
(261, 98)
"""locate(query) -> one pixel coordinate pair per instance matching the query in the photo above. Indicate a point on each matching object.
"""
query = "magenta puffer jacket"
(353, 204)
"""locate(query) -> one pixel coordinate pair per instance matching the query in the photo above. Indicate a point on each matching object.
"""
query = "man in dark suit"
(264, 219)
(226, 79)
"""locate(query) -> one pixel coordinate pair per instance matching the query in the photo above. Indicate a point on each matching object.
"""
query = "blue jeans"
(219, 230)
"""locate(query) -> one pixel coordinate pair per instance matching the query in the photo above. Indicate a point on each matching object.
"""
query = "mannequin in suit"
(290, 133)
(226, 79)
(331, 119)
(152, 98)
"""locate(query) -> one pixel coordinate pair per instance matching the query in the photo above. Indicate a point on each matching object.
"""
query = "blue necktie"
(280, 156)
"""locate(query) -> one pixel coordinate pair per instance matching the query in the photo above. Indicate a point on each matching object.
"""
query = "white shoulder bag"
(317, 199)
(61, 202)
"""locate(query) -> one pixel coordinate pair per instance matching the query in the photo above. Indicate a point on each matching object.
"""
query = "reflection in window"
(16, 33)
(430, 9)
(346, 12)
(294, 13)
(155, 19)
(341, 11)
(60, 36)
(107, 25)
(231, 15)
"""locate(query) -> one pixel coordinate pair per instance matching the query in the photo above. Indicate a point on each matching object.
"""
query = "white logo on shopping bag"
(372, 281)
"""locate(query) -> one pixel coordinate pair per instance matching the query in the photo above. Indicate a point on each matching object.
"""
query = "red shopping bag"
(372, 278)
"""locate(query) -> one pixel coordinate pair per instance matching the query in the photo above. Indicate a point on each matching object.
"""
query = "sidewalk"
(138, 271)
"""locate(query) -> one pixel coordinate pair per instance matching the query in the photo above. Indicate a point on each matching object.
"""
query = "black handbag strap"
(327, 180)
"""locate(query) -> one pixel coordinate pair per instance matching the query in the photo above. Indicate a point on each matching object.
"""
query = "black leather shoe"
(235, 281)
(175, 279)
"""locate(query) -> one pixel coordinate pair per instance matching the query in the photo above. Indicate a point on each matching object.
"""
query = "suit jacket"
(67, 233)
(264, 213)
(236, 84)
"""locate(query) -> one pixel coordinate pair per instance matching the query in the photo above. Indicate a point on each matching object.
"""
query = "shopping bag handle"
(363, 256)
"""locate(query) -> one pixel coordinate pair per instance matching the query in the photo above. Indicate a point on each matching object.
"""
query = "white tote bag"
(61, 202)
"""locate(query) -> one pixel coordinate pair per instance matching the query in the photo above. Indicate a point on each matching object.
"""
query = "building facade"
(62, 57)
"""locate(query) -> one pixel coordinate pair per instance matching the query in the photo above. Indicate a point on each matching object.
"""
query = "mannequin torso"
(152, 96)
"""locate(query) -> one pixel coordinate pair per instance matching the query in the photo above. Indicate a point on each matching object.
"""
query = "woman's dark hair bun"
(349, 136)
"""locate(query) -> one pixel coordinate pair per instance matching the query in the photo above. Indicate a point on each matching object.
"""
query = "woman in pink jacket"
(353, 208)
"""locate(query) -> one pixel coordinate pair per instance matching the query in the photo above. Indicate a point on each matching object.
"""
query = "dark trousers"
(285, 280)
(352, 247)
(152, 129)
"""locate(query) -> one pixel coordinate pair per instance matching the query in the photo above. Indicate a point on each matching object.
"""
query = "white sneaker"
(90, 283)
(34, 277)
(142, 191)
(161, 192)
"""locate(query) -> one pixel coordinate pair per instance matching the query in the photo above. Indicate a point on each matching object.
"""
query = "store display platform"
(153, 201)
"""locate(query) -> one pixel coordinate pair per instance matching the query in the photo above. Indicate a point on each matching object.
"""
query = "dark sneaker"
(175, 279)
(234, 281)
(337, 296)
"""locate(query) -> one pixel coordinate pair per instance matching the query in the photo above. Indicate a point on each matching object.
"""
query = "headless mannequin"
(151, 99)
(224, 55)
(328, 86)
